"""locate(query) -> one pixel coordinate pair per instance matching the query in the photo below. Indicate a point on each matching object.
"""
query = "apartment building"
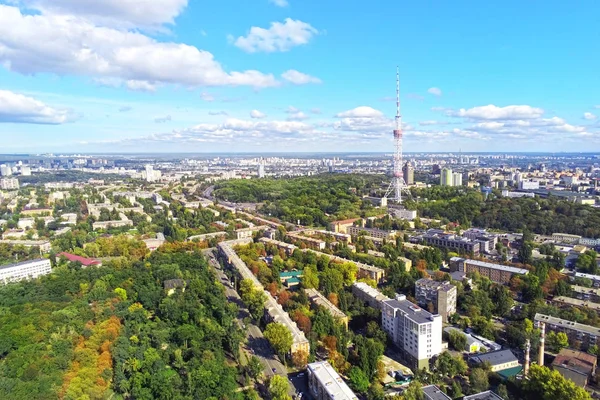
(9, 184)
(231, 258)
(364, 270)
(441, 294)
(433, 392)
(368, 294)
(342, 226)
(439, 238)
(24, 270)
(585, 293)
(487, 241)
(495, 272)
(416, 332)
(372, 232)
(288, 248)
(568, 302)
(565, 238)
(275, 313)
(325, 383)
(248, 232)
(594, 278)
(44, 245)
(316, 298)
(311, 242)
(585, 334)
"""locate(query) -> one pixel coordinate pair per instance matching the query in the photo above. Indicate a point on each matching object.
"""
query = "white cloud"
(218, 113)
(435, 91)
(207, 97)
(279, 37)
(125, 109)
(492, 112)
(292, 110)
(75, 46)
(118, 13)
(140, 86)
(361, 112)
(161, 120)
(297, 116)
(279, 3)
(428, 123)
(589, 116)
(315, 110)
(298, 78)
(257, 114)
(17, 108)
(598, 106)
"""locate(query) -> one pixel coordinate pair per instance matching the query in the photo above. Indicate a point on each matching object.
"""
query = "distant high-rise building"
(26, 170)
(150, 175)
(436, 169)
(456, 179)
(9, 184)
(446, 177)
(5, 170)
(261, 170)
(409, 173)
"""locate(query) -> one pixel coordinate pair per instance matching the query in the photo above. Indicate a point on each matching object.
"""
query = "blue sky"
(297, 75)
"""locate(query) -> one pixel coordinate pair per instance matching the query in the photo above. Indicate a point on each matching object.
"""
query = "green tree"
(414, 391)
(479, 380)
(525, 253)
(254, 368)
(557, 341)
(280, 337)
(457, 340)
(278, 388)
(253, 298)
(310, 280)
(502, 391)
(450, 366)
(546, 384)
(358, 379)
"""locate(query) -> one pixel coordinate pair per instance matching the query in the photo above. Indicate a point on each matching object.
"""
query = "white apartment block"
(326, 384)
(441, 294)
(9, 184)
(24, 270)
(415, 331)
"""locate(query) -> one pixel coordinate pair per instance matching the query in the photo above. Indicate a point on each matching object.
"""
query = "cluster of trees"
(542, 216)
(101, 332)
(310, 200)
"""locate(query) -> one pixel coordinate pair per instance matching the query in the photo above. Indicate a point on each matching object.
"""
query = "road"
(257, 344)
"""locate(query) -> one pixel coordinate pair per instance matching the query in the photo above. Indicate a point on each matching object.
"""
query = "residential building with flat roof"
(585, 334)
(450, 241)
(233, 260)
(368, 294)
(44, 245)
(24, 270)
(248, 232)
(342, 226)
(432, 392)
(311, 242)
(287, 247)
(487, 395)
(567, 302)
(325, 383)
(364, 270)
(594, 278)
(585, 293)
(565, 238)
(441, 294)
(495, 272)
(416, 332)
(316, 298)
(373, 232)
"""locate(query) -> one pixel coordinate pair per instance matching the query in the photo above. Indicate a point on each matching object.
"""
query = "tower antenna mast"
(397, 185)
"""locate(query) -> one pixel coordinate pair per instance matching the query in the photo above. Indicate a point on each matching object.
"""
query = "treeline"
(310, 200)
(542, 216)
(104, 332)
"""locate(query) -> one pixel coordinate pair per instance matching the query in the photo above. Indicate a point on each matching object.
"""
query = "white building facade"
(414, 330)
(24, 270)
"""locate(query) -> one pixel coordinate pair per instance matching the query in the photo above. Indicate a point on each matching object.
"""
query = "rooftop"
(317, 298)
(411, 311)
(22, 263)
(83, 260)
(488, 395)
(331, 381)
(575, 360)
(588, 276)
(500, 267)
(371, 291)
(430, 283)
(563, 323)
(495, 357)
(576, 302)
(432, 392)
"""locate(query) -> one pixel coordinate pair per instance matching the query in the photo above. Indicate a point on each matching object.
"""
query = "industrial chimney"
(542, 340)
(527, 350)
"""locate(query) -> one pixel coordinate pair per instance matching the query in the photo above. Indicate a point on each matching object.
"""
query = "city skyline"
(290, 76)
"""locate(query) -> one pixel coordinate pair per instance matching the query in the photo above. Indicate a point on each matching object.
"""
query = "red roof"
(84, 261)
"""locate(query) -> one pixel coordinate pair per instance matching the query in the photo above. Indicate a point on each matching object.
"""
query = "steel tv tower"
(397, 185)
